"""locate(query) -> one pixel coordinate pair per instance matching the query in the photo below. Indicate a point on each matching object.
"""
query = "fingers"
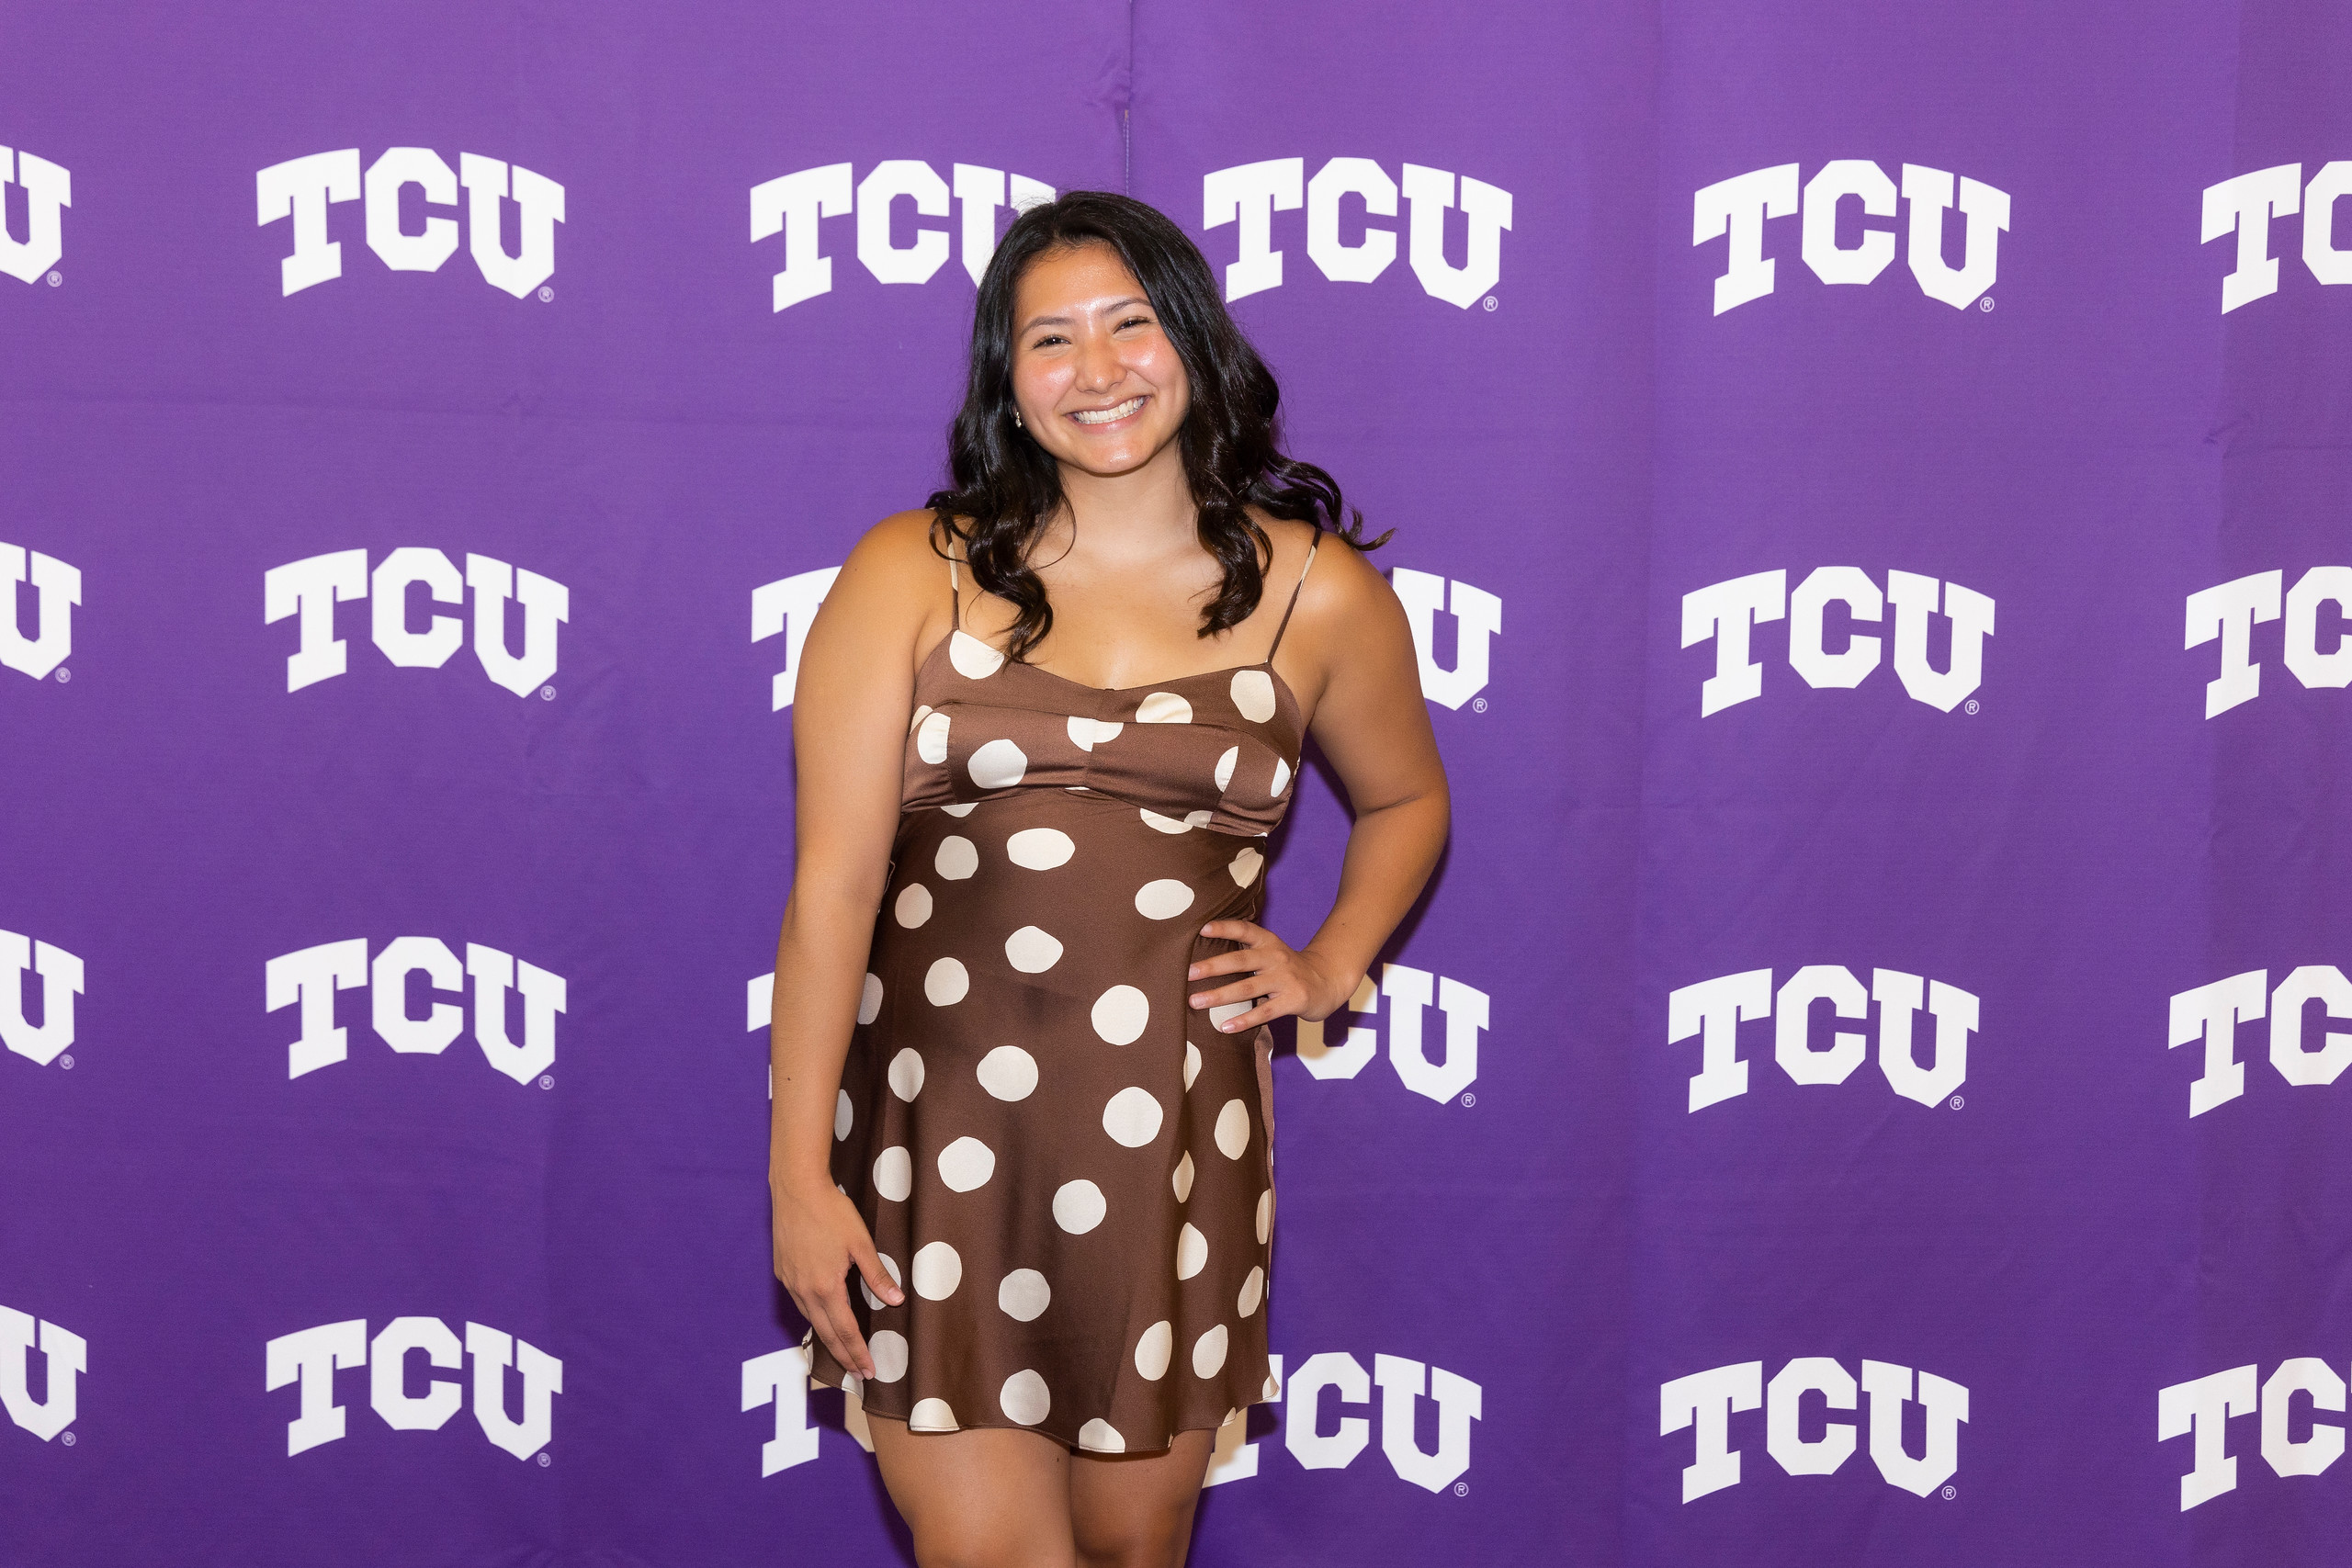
(1239, 961)
(847, 1345)
(877, 1279)
(1248, 932)
(1248, 990)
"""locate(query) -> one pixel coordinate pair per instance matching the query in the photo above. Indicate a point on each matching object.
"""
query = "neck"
(1146, 510)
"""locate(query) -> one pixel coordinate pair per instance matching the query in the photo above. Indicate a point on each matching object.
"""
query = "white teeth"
(1104, 416)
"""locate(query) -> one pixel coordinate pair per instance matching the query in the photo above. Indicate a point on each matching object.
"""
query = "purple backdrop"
(1867, 485)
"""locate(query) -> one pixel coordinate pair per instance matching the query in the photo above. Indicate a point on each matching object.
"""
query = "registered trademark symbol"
(1958, 1103)
(66, 1062)
(545, 295)
(1490, 302)
(63, 676)
(545, 1461)
(547, 694)
(1469, 1099)
(1950, 1492)
(1478, 704)
(1972, 705)
(1461, 1489)
(1986, 304)
(54, 279)
(547, 1080)
(68, 1439)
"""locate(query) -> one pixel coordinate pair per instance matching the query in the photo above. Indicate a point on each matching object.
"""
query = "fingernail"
(897, 1296)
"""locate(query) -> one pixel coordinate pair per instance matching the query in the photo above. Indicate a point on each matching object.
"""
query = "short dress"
(1067, 1168)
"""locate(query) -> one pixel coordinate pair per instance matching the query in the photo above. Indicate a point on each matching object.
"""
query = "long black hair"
(1006, 487)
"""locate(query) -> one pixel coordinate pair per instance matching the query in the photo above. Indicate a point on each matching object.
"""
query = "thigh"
(980, 1498)
(1136, 1510)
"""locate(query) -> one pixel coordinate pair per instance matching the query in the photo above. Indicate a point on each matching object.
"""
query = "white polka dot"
(869, 1000)
(1224, 1010)
(930, 739)
(1233, 1129)
(946, 982)
(1078, 1206)
(920, 714)
(1244, 869)
(1191, 1251)
(889, 1348)
(906, 1073)
(938, 1270)
(1025, 1398)
(1007, 1072)
(1023, 1295)
(931, 1415)
(1162, 900)
(1165, 824)
(1131, 1117)
(913, 907)
(841, 1114)
(1192, 1063)
(890, 1266)
(1254, 694)
(958, 858)
(963, 810)
(1282, 776)
(1266, 1216)
(1030, 951)
(1120, 1014)
(1272, 1388)
(1099, 1435)
(1201, 820)
(998, 766)
(894, 1173)
(1163, 707)
(1253, 1289)
(1087, 733)
(1183, 1182)
(974, 660)
(1208, 1353)
(1225, 765)
(1152, 1351)
(1039, 849)
(967, 1163)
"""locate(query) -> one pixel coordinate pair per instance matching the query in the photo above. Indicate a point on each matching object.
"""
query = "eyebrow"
(1036, 322)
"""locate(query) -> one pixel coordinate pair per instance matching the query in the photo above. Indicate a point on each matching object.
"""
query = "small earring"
(1016, 418)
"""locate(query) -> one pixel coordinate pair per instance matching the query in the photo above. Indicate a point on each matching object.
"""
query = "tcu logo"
(1725, 611)
(1478, 615)
(2201, 1409)
(1408, 992)
(793, 205)
(1705, 1401)
(2211, 1014)
(312, 587)
(59, 589)
(2249, 202)
(60, 982)
(48, 190)
(302, 188)
(1739, 206)
(313, 1357)
(2231, 610)
(788, 605)
(1250, 194)
(1713, 1009)
(314, 975)
(67, 1356)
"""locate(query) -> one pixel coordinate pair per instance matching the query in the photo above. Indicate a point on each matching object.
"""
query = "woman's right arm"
(853, 699)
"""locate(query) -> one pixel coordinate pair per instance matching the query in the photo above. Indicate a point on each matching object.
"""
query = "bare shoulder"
(900, 546)
(1343, 587)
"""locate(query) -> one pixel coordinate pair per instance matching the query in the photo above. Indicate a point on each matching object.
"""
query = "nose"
(1099, 368)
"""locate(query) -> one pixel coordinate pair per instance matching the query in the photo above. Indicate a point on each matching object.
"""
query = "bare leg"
(986, 1497)
(1135, 1511)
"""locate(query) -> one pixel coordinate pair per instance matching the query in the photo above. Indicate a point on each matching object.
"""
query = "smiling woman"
(1043, 729)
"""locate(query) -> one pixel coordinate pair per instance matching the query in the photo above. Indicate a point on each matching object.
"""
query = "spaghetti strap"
(955, 598)
(1293, 606)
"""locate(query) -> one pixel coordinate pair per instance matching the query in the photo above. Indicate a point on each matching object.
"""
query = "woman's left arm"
(1372, 727)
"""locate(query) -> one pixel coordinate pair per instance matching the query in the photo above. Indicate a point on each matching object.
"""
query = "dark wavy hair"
(1006, 487)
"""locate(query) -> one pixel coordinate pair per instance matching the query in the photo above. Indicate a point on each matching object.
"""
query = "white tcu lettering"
(2201, 1409)
(1713, 1009)
(1726, 612)
(2211, 1014)
(1249, 195)
(312, 1357)
(2229, 611)
(2245, 205)
(59, 589)
(795, 205)
(788, 605)
(1705, 1402)
(1402, 1385)
(60, 982)
(301, 188)
(1409, 991)
(1478, 616)
(781, 1378)
(1739, 206)
(48, 190)
(67, 1356)
(313, 977)
(310, 589)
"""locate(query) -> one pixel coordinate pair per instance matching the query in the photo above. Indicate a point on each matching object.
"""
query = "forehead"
(1065, 280)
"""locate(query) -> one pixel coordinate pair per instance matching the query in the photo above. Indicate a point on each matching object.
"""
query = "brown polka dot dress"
(1066, 1168)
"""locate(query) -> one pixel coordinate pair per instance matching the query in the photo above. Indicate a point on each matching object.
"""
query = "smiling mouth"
(1109, 415)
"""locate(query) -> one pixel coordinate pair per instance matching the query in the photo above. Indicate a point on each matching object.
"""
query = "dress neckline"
(1266, 664)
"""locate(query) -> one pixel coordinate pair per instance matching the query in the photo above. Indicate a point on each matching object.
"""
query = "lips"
(1110, 415)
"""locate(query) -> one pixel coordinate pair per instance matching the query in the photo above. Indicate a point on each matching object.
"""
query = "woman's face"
(1098, 383)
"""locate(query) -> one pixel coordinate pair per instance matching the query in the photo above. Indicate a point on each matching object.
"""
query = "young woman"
(1043, 727)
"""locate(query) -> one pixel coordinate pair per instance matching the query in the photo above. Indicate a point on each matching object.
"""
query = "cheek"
(1040, 385)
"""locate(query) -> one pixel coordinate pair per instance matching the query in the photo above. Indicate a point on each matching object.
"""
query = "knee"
(963, 1546)
(1152, 1539)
